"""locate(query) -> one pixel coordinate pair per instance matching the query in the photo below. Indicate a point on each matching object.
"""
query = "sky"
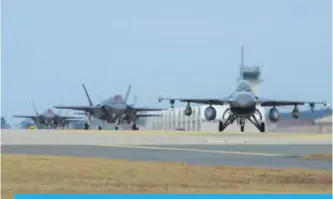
(188, 48)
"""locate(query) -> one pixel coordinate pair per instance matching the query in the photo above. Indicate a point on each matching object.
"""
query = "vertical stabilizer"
(127, 93)
(134, 100)
(34, 106)
(87, 94)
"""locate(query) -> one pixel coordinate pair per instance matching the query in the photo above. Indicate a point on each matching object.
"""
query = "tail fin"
(127, 93)
(89, 99)
(134, 100)
(34, 106)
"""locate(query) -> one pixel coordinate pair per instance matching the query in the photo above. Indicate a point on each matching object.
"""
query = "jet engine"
(188, 110)
(295, 113)
(274, 115)
(210, 113)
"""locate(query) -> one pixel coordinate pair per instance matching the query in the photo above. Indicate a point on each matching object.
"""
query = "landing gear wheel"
(116, 128)
(262, 127)
(242, 128)
(137, 128)
(99, 127)
(134, 127)
(86, 126)
(221, 126)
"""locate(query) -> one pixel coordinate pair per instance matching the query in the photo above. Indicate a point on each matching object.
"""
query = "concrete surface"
(72, 137)
(264, 150)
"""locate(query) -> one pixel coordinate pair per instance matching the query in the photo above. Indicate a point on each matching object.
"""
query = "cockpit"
(118, 98)
(244, 86)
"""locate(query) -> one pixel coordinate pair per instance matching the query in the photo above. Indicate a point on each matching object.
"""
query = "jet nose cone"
(244, 100)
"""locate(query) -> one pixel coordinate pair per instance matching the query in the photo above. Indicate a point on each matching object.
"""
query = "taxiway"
(263, 150)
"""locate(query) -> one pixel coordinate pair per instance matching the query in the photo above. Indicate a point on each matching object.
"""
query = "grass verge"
(323, 156)
(59, 174)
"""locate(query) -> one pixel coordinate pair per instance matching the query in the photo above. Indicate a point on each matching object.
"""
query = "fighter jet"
(50, 119)
(113, 110)
(242, 106)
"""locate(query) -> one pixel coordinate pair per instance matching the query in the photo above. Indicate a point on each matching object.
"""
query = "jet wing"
(26, 116)
(140, 109)
(148, 115)
(69, 117)
(268, 102)
(78, 108)
(213, 101)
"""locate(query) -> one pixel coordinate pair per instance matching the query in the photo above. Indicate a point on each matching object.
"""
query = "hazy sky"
(187, 48)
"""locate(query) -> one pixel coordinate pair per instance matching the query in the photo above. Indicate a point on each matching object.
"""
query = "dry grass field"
(324, 156)
(58, 174)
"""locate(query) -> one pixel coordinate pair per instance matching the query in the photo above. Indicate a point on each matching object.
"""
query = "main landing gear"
(241, 121)
(134, 127)
(86, 126)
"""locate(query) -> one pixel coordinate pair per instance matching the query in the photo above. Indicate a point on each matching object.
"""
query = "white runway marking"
(197, 150)
(225, 141)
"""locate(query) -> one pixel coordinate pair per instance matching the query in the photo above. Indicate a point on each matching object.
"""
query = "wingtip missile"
(159, 99)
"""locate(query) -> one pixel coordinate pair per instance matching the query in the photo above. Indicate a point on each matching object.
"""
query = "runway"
(243, 150)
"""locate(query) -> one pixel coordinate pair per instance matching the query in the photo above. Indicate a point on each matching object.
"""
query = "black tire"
(262, 127)
(116, 128)
(242, 128)
(99, 127)
(86, 126)
(134, 127)
(221, 126)
(137, 128)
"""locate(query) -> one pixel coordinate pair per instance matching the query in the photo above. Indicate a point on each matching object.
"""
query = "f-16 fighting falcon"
(113, 110)
(242, 106)
(50, 119)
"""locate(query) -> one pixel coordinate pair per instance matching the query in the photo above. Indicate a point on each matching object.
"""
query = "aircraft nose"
(244, 100)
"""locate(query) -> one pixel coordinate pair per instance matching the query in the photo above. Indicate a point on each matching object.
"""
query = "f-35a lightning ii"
(50, 119)
(113, 110)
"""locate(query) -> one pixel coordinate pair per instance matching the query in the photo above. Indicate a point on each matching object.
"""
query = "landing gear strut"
(86, 126)
(231, 118)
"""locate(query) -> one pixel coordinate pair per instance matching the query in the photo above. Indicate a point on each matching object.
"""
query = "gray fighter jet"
(113, 110)
(242, 106)
(49, 118)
